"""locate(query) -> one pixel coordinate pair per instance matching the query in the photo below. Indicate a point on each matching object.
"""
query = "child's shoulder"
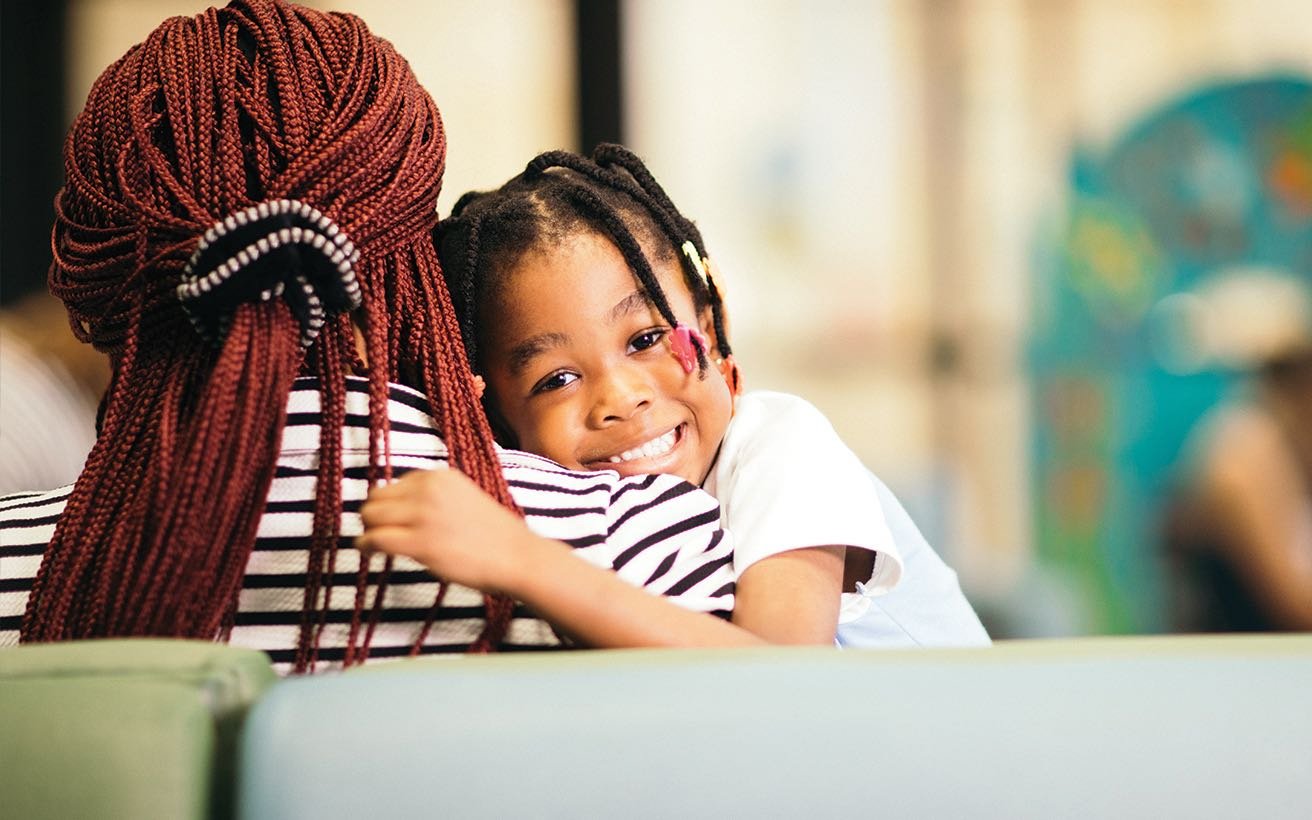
(767, 410)
(780, 429)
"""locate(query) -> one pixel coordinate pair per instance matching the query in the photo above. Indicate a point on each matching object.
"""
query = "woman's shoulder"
(18, 508)
(27, 523)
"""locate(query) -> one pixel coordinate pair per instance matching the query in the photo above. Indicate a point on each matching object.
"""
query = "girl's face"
(579, 366)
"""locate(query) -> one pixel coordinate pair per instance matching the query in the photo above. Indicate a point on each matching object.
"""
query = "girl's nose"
(620, 395)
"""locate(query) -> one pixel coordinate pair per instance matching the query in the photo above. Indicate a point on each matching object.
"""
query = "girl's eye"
(555, 381)
(647, 339)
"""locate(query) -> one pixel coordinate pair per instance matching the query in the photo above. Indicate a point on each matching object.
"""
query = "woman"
(246, 232)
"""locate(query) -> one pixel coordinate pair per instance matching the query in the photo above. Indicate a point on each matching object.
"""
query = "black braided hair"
(558, 194)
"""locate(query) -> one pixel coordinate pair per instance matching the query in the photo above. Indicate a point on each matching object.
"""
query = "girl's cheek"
(552, 429)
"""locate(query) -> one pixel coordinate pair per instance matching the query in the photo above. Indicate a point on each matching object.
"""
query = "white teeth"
(655, 447)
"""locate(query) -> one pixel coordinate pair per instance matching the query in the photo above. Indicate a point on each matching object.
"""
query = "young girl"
(588, 306)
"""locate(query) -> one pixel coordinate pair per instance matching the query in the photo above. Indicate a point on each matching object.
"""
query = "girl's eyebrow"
(524, 352)
(634, 302)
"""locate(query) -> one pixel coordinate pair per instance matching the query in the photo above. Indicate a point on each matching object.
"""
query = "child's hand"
(448, 523)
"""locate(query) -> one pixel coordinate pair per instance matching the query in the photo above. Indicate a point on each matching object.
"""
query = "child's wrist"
(530, 565)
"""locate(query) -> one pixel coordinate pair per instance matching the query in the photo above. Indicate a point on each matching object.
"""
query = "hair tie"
(279, 248)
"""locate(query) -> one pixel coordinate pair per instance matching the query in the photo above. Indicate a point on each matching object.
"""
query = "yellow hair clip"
(697, 262)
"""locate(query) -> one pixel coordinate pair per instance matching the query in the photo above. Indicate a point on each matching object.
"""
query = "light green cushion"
(123, 728)
(1152, 727)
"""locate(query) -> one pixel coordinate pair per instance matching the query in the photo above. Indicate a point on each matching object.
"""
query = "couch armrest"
(123, 728)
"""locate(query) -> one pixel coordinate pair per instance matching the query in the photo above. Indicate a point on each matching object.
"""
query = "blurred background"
(1045, 264)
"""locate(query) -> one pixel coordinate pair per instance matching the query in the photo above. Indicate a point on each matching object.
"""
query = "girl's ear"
(732, 375)
(725, 364)
(500, 430)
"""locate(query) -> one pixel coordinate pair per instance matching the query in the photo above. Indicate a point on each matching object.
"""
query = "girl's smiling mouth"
(651, 451)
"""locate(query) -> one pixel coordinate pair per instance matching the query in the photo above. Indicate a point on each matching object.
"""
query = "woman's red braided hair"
(211, 114)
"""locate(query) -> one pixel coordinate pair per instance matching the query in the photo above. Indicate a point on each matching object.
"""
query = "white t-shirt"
(786, 481)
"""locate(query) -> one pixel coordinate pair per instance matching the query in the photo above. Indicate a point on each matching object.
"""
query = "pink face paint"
(686, 342)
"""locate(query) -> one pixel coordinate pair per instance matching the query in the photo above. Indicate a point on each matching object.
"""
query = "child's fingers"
(391, 540)
(363, 543)
(412, 483)
(395, 489)
(387, 512)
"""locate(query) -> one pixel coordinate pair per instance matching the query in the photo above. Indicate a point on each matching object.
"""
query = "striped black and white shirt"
(657, 532)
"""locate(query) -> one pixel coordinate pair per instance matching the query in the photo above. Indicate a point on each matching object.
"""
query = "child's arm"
(446, 522)
(769, 593)
(798, 502)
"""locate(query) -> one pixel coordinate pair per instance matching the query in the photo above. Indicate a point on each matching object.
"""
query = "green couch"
(1126, 727)
(1111, 727)
(124, 728)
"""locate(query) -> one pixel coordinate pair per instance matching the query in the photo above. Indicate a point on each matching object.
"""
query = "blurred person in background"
(50, 384)
(1239, 531)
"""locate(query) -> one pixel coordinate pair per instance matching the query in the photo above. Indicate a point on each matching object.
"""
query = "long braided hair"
(255, 102)
(559, 194)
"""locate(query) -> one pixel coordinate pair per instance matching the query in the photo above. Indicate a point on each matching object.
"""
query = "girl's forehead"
(654, 245)
(582, 274)
(593, 258)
